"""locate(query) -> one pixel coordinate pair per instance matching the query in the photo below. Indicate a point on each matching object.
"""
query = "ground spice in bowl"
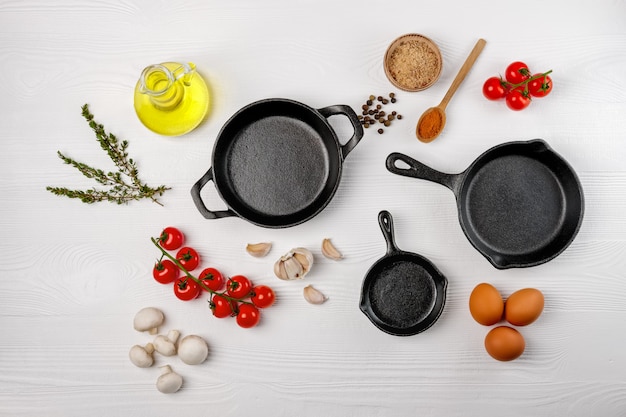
(413, 62)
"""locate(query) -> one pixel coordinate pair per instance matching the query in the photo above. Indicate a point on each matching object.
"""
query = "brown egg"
(523, 307)
(486, 304)
(504, 343)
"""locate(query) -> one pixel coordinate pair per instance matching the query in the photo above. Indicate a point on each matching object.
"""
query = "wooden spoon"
(433, 120)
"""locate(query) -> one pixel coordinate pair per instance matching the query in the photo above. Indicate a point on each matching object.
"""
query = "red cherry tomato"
(212, 278)
(171, 238)
(518, 99)
(222, 307)
(188, 258)
(495, 88)
(540, 86)
(262, 296)
(165, 271)
(248, 316)
(186, 289)
(517, 72)
(238, 286)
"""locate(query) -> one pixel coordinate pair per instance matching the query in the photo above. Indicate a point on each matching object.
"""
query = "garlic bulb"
(329, 251)
(313, 295)
(294, 265)
(258, 250)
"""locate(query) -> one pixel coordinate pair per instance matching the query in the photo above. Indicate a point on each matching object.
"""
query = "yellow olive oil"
(171, 99)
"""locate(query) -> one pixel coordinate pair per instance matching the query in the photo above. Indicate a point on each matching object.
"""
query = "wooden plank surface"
(72, 276)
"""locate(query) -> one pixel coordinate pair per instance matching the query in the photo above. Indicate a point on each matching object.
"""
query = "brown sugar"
(414, 63)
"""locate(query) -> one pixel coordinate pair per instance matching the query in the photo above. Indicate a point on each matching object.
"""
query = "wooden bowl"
(413, 62)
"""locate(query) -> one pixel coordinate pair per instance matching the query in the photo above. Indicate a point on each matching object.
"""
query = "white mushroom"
(169, 381)
(148, 319)
(166, 345)
(141, 356)
(193, 350)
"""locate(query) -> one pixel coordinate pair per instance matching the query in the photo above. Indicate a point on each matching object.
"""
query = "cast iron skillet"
(520, 204)
(277, 162)
(403, 293)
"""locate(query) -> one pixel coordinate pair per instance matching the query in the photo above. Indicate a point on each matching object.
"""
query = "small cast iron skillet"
(403, 293)
(277, 162)
(520, 204)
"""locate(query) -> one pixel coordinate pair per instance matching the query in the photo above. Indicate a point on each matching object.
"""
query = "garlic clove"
(329, 250)
(279, 270)
(293, 268)
(313, 295)
(294, 265)
(305, 257)
(258, 250)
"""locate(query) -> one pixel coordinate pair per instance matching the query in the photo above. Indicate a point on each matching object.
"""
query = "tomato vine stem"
(198, 281)
(524, 83)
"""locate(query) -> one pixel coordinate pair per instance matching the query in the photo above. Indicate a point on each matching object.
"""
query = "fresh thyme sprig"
(124, 185)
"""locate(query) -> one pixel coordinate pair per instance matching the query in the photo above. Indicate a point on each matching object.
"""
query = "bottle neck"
(158, 82)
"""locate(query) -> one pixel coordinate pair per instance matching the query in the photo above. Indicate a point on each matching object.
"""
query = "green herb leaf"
(124, 185)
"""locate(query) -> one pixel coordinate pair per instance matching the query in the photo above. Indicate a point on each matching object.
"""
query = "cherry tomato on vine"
(212, 278)
(517, 72)
(222, 307)
(171, 238)
(540, 86)
(495, 88)
(518, 99)
(238, 286)
(165, 271)
(262, 296)
(248, 316)
(186, 289)
(188, 258)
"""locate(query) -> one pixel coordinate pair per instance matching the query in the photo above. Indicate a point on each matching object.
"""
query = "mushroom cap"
(193, 350)
(169, 381)
(141, 356)
(164, 346)
(148, 318)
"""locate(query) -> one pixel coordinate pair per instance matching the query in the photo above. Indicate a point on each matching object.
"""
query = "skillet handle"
(416, 169)
(386, 225)
(197, 199)
(347, 111)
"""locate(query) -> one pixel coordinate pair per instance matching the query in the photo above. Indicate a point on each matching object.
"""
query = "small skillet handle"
(347, 111)
(386, 225)
(197, 199)
(417, 169)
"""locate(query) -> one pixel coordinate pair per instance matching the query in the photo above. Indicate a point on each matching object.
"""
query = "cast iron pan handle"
(416, 169)
(354, 120)
(195, 195)
(386, 225)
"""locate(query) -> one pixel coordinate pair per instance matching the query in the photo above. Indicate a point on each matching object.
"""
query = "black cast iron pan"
(277, 162)
(520, 204)
(403, 293)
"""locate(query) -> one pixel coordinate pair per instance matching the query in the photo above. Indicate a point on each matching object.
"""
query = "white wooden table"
(72, 276)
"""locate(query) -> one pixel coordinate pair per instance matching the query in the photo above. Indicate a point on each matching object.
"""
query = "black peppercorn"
(380, 131)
